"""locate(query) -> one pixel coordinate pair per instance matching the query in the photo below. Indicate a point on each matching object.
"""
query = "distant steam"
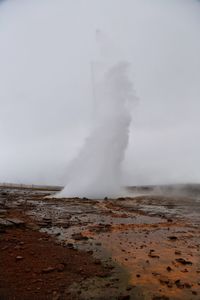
(96, 172)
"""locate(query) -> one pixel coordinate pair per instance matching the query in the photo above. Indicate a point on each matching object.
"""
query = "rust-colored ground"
(140, 248)
(32, 266)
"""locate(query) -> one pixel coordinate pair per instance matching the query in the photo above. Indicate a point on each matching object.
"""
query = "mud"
(142, 247)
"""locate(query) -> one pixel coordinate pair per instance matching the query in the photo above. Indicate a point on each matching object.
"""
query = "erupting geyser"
(96, 172)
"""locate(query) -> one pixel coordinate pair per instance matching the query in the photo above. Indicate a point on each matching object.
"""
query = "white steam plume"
(96, 172)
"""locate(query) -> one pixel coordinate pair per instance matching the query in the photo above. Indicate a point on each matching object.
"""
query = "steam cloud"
(97, 170)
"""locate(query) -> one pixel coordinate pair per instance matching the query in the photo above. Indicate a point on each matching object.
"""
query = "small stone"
(194, 292)
(183, 261)
(33, 226)
(187, 285)
(164, 280)
(172, 238)
(97, 262)
(79, 237)
(48, 270)
(16, 222)
(19, 257)
(60, 268)
(179, 284)
(5, 223)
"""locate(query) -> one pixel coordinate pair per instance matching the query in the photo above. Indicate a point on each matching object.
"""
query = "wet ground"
(140, 247)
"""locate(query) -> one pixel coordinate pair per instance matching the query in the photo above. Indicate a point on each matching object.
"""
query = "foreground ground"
(144, 247)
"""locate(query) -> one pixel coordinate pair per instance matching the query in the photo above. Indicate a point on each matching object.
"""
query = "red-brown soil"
(33, 266)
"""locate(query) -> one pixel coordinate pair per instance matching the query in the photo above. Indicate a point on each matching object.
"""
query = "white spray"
(96, 172)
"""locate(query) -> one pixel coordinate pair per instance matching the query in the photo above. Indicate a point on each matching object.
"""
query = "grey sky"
(46, 50)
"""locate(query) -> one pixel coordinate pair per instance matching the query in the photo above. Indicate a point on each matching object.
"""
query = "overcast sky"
(46, 100)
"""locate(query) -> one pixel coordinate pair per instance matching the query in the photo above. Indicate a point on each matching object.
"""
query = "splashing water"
(96, 172)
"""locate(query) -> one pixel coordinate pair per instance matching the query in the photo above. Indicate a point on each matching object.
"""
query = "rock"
(5, 223)
(19, 257)
(4, 194)
(172, 238)
(3, 212)
(179, 284)
(155, 273)
(79, 237)
(70, 245)
(37, 280)
(129, 287)
(48, 270)
(98, 244)
(55, 296)
(170, 284)
(177, 252)
(184, 271)
(16, 222)
(169, 269)
(152, 255)
(32, 226)
(194, 292)
(60, 267)
(169, 220)
(183, 261)
(164, 280)
(187, 285)
(97, 262)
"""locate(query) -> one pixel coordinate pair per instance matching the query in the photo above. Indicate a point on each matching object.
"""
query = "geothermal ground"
(140, 247)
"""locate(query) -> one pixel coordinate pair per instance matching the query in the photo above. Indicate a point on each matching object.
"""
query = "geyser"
(96, 172)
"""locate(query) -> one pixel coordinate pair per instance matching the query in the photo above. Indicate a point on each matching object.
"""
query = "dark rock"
(164, 280)
(183, 261)
(177, 252)
(97, 262)
(48, 270)
(169, 220)
(60, 267)
(4, 194)
(155, 273)
(70, 245)
(172, 238)
(179, 284)
(79, 237)
(153, 255)
(187, 285)
(194, 292)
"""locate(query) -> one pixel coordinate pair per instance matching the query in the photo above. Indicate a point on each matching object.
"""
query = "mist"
(46, 94)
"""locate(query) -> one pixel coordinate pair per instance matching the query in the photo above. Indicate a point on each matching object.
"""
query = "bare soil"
(144, 247)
